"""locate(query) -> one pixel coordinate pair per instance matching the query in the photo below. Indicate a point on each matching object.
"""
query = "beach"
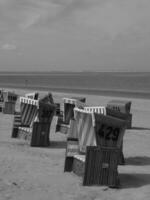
(38, 173)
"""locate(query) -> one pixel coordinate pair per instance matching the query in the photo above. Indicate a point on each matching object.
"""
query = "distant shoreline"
(98, 92)
(120, 84)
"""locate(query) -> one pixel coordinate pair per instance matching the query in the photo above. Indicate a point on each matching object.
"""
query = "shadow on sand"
(134, 180)
(57, 144)
(139, 128)
(138, 160)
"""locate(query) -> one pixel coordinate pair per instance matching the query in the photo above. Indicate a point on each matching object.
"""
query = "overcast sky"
(75, 35)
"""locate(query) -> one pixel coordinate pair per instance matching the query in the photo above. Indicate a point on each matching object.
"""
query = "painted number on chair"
(108, 132)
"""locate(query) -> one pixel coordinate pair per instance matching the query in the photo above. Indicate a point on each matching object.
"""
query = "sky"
(74, 35)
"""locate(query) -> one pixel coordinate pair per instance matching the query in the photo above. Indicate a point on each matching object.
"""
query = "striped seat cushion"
(85, 129)
(29, 110)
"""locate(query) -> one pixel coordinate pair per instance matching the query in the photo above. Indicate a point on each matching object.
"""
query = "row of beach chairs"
(94, 134)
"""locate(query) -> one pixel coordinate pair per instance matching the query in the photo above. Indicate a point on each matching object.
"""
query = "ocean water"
(100, 83)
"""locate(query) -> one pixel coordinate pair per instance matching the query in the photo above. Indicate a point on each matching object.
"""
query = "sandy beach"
(37, 173)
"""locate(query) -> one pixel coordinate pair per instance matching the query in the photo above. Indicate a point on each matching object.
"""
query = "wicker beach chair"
(41, 128)
(100, 138)
(102, 161)
(23, 120)
(35, 120)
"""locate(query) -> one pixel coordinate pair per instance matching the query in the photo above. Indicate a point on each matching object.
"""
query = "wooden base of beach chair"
(72, 148)
(101, 167)
(40, 134)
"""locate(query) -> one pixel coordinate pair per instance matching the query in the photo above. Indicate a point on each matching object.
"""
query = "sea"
(124, 84)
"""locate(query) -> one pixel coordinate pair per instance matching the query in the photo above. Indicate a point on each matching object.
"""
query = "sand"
(37, 173)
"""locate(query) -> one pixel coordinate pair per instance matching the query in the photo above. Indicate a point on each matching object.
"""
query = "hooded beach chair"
(23, 119)
(35, 119)
(106, 156)
(98, 157)
(102, 161)
(28, 113)
(63, 123)
(41, 128)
